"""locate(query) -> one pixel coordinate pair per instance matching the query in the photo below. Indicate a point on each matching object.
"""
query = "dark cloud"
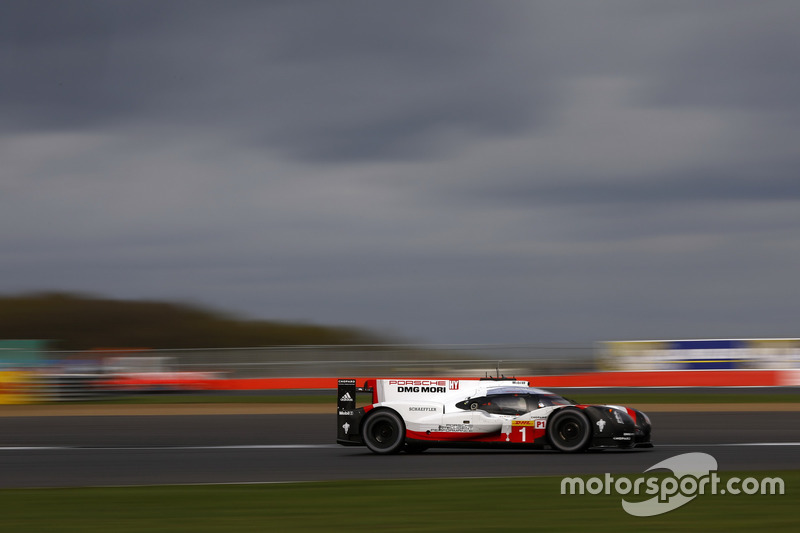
(733, 62)
(60, 67)
(451, 171)
(315, 86)
(692, 187)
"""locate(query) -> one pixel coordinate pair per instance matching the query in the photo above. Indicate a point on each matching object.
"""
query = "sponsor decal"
(423, 409)
(454, 384)
(455, 428)
(421, 389)
(420, 385)
(346, 427)
(346, 397)
(517, 430)
(419, 382)
(346, 413)
(536, 423)
(601, 424)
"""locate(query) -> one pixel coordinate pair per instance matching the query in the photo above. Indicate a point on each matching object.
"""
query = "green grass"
(504, 504)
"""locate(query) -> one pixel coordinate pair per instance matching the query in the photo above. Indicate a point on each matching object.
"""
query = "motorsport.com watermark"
(693, 474)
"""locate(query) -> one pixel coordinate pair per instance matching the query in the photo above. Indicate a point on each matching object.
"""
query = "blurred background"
(440, 173)
(204, 201)
(309, 189)
(105, 351)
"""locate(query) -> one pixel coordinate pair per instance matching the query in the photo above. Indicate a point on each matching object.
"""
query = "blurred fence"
(86, 375)
(699, 354)
(387, 360)
(66, 376)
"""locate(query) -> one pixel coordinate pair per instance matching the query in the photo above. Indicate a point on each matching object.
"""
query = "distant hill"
(80, 322)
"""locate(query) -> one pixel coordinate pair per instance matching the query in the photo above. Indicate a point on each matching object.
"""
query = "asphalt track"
(154, 450)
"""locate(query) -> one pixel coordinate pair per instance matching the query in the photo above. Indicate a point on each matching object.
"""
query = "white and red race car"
(415, 414)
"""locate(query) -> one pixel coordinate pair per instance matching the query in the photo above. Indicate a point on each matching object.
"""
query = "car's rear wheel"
(384, 432)
(569, 430)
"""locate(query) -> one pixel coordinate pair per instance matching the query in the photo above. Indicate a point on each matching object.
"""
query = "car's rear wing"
(347, 393)
(346, 417)
(347, 396)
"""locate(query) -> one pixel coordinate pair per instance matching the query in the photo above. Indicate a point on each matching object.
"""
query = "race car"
(412, 415)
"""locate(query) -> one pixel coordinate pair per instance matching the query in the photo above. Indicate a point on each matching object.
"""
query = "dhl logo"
(536, 424)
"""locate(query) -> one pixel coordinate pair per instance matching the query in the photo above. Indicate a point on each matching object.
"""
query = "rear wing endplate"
(346, 409)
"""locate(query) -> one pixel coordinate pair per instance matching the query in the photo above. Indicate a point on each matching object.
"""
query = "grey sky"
(442, 171)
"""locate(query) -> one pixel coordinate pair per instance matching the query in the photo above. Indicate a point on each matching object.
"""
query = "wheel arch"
(378, 410)
(570, 409)
(372, 441)
(552, 413)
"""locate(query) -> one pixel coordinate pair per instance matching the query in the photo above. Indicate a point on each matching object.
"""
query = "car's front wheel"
(569, 430)
(384, 432)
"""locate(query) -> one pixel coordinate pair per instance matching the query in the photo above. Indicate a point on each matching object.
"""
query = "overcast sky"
(446, 172)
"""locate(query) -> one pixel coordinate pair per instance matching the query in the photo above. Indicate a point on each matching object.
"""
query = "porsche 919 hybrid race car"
(415, 414)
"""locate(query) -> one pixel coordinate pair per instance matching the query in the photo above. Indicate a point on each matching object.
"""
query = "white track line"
(322, 446)
(232, 447)
(729, 445)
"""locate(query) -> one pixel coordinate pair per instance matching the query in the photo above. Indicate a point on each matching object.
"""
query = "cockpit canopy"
(513, 401)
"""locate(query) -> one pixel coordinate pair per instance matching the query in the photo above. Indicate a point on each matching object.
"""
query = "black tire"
(384, 432)
(569, 431)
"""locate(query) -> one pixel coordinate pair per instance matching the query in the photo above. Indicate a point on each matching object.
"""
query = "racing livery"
(409, 414)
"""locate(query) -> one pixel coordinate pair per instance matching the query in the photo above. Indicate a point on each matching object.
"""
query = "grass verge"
(508, 504)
